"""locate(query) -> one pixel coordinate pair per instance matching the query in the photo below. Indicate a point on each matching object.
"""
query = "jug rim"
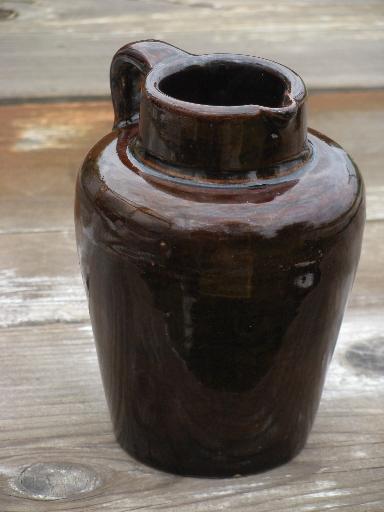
(294, 88)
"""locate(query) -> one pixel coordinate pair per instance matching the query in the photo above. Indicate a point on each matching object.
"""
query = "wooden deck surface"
(54, 48)
(57, 450)
(53, 410)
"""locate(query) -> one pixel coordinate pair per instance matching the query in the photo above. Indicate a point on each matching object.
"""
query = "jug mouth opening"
(226, 84)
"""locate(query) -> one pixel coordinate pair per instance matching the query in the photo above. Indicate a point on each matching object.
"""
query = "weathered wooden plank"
(331, 44)
(356, 121)
(40, 278)
(368, 289)
(56, 444)
(54, 422)
(43, 145)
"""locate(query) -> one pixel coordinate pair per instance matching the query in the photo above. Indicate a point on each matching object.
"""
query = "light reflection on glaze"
(215, 309)
(327, 185)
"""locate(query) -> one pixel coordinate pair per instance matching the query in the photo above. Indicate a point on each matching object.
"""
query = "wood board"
(63, 48)
(57, 450)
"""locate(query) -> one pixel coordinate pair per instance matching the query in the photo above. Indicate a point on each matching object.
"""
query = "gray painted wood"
(40, 280)
(64, 48)
(56, 481)
(57, 450)
(54, 418)
(43, 145)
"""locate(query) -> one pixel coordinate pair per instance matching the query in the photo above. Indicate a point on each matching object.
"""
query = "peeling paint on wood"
(56, 481)
(37, 299)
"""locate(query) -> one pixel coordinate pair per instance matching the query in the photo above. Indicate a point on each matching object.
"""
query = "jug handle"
(129, 68)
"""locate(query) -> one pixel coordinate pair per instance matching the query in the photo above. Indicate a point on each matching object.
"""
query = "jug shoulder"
(321, 196)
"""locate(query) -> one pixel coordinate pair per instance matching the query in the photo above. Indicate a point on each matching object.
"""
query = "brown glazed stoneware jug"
(218, 241)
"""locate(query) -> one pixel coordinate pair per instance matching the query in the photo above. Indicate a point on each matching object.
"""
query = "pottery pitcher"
(218, 238)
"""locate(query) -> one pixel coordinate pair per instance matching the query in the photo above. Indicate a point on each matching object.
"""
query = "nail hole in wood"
(7, 14)
(367, 356)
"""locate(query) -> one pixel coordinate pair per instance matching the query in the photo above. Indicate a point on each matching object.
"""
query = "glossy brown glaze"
(218, 244)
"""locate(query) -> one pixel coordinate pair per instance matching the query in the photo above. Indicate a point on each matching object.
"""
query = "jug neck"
(223, 113)
(209, 113)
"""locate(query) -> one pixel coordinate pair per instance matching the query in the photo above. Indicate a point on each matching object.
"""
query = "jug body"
(218, 240)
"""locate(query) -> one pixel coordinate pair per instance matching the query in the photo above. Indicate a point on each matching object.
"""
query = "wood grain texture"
(53, 412)
(40, 279)
(331, 44)
(43, 145)
(57, 450)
